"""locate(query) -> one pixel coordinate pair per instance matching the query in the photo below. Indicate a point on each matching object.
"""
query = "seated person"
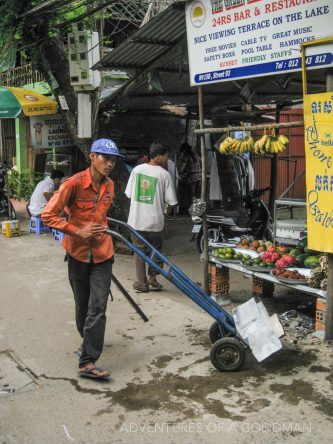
(43, 192)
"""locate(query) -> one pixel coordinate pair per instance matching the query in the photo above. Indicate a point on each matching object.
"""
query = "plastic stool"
(58, 236)
(36, 225)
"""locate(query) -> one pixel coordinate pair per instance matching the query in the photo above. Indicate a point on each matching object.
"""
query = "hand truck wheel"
(215, 332)
(227, 354)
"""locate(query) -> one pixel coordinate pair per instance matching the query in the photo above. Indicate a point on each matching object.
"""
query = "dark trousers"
(156, 240)
(91, 286)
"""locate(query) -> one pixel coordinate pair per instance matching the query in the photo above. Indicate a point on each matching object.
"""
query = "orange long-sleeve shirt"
(84, 205)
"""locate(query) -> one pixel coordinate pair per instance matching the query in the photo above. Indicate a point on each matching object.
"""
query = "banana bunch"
(225, 146)
(271, 144)
(236, 146)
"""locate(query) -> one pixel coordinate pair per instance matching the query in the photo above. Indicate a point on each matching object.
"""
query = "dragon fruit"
(280, 263)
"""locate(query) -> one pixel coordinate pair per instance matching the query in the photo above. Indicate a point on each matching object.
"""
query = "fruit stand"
(267, 277)
(298, 268)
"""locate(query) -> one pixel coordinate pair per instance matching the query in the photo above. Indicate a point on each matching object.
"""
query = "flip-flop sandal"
(88, 373)
(141, 290)
(155, 287)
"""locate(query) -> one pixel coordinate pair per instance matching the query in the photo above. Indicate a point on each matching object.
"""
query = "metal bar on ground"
(128, 297)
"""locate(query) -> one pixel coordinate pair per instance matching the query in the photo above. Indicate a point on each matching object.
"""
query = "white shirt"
(149, 187)
(38, 201)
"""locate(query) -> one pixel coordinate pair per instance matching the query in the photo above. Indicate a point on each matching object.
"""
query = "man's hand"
(90, 231)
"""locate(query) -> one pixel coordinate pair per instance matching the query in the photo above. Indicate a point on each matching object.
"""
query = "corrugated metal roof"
(160, 47)
(149, 42)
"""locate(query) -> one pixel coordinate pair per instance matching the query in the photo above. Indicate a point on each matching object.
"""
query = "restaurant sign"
(235, 39)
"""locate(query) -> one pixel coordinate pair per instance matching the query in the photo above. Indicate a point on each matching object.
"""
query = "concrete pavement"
(163, 387)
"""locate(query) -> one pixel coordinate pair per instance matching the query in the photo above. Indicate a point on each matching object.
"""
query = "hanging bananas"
(236, 146)
(267, 144)
(271, 144)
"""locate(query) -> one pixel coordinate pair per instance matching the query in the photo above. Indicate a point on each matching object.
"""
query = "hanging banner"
(48, 132)
(318, 127)
(235, 39)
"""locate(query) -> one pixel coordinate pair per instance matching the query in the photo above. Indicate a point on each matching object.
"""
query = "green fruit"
(300, 258)
(263, 264)
(302, 243)
(257, 260)
(248, 262)
(295, 252)
(230, 251)
(311, 262)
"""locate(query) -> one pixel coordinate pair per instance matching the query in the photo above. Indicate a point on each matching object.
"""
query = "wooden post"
(203, 188)
(274, 171)
(329, 300)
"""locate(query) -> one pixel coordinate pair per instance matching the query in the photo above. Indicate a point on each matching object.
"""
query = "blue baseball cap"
(105, 146)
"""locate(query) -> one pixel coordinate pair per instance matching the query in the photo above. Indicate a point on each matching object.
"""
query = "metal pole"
(329, 300)
(203, 188)
(250, 128)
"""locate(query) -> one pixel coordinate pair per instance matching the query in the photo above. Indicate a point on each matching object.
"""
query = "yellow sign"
(318, 128)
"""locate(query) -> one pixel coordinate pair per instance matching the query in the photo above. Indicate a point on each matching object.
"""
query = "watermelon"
(300, 258)
(311, 262)
(295, 252)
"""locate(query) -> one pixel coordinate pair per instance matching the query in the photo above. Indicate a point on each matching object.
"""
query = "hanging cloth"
(215, 188)
(250, 176)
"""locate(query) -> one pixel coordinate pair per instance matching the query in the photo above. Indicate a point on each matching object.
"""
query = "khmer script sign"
(318, 127)
(233, 39)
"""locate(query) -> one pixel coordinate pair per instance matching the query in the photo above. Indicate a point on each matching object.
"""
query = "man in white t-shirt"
(150, 187)
(43, 192)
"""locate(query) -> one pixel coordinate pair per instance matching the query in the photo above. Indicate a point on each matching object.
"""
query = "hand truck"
(228, 350)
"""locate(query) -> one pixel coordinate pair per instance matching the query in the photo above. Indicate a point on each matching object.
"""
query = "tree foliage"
(37, 30)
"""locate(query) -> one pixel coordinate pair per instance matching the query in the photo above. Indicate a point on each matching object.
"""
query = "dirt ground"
(163, 387)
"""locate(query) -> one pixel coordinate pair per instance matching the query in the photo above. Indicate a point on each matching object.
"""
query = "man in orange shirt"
(86, 198)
